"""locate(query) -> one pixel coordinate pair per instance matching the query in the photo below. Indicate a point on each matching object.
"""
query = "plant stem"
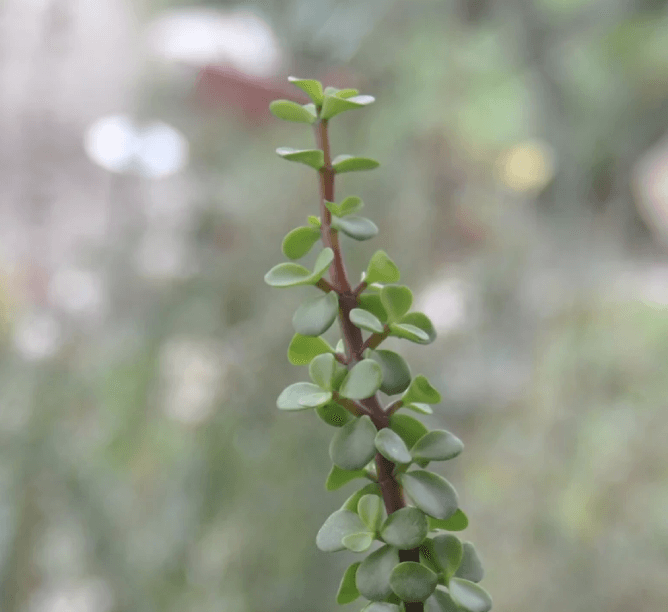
(352, 338)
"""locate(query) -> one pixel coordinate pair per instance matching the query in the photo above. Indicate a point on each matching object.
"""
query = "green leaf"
(427, 556)
(410, 429)
(432, 493)
(381, 269)
(421, 390)
(441, 601)
(469, 595)
(447, 550)
(352, 446)
(291, 111)
(373, 574)
(371, 302)
(314, 221)
(316, 316)
(362, 381)
(370, 510)
(437, 445)
(342, 93)
(395, 370)
(304, 348)
(311, 87)
(322, 262)
(332, 105)
(348, 163)
(381, 606)
(289, 275)
(348, 589)
(457, 522)
(338, 525)
(423, 323)
(409, 332)
(350, 205)
(396, 300)
(301, 396)
(322, 369)
(359, 228)
(392, 447)
(419, 407)
(412, 581)
(311, 157)
(406, 528)
(338, 477)
(470, 567)
(358, 542)
(300, 241)
(365, 320)
(351, 503)
(333, 414)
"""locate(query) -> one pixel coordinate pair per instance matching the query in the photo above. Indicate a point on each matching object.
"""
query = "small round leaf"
(350, 205)
(332, 105)
(359, 228)
(311, 87)
(440, 601)
(395, 369)
(348, 163)
(419, 407)
(338, 477)
(348, 589)
(338, 525)
(311, 157)
(410, 429)
(412, 581)
(370, 510)
(381, 269)
(333, 414)
(409, 332)
(352, 502)
(365, 320)
(352, 446)
(447, 550)
(437, 445)
(322, 369)
(372, 303)
(457, 522)
(392, 447)
(288, 275)
(421, 390)
(373, 574)
(396, 300)
(291, 111)
(301, 396)
(300, 241)
(432, 493)
(422, 322)
(304, 348)
(406, 528)
(470, 567)
(469, 595)
(316, 316)
(362, 381)
(358, 542)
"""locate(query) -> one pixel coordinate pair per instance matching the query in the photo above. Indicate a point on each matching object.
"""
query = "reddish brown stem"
(352, 338)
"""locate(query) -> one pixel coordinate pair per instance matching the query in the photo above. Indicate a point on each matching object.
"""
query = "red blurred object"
(248, 97)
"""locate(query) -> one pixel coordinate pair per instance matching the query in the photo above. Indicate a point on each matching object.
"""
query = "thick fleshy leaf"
(322, 262)
(362, 381)
(338, 477)
(315, 316)
(358, 542)
(457, 522)
(412, 581)
(373, 574)
(348, 589)
(291, 111)
(304, 348)
(395, 370)
(432, 493)
(392, 447)
(409, 332)
(372, 303)
(381, 606)
(396, 300)
(311, 157)
(381, 269)
(409, 428)
(349, 206)
(333, 414)
(338, 525)
(311, 87)
(300, 241)
(421, 390)
(342, 93)
(352, 502)
(437, 445)
(440, 601)
(301, 396)
(370, 510)
(422, 322)
(447, 551)
(332, 105)
(322, 370)
(406, 528)
(289, 275)
(365, 320)
(419, 407)
(359, 228)
(352, 446)
(349, 163)
(469, 595)
(314, 221)
(470, 567)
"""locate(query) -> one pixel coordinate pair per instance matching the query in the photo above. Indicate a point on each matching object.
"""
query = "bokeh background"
(523, 192)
